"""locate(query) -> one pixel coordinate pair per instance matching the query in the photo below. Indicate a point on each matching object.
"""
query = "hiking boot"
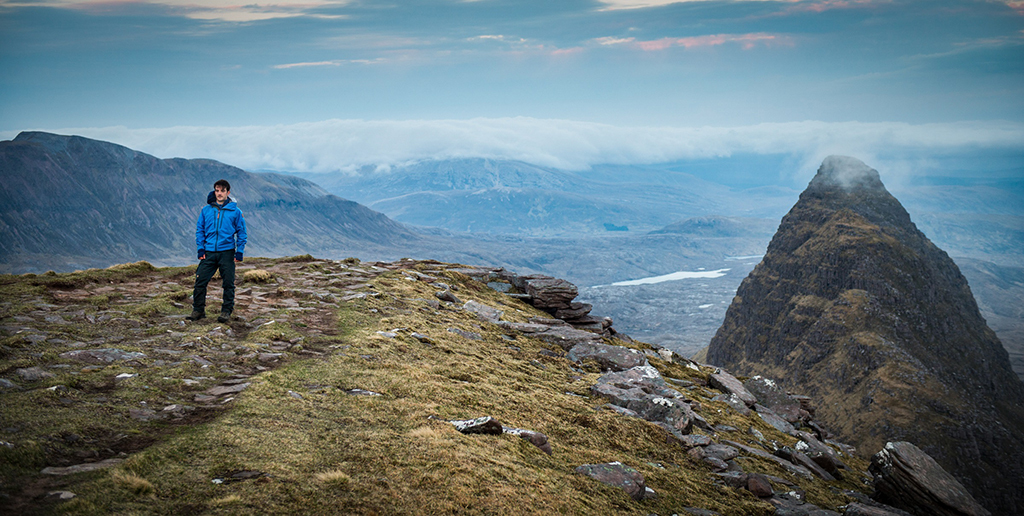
(196, 315)
(224, 317)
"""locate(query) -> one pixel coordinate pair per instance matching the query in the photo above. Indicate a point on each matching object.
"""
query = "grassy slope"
(329, 452)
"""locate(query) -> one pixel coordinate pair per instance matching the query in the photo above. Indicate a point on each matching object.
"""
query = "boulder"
(728, 384)
(721, 451)
(480, 425)
(865, 506)
(759, 485)
(714, 463)
(535, 438)
(616, 474)
(549, 293)
(737, 479)
(614, 358)
(692, 440)
(447, 295)
(909, 479)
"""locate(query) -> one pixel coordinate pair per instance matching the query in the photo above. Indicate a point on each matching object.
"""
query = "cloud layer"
(347, 145)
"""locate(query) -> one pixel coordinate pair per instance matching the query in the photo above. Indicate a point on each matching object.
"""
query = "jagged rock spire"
(853, 304)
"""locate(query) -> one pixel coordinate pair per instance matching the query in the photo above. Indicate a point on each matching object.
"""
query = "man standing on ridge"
(220, 242)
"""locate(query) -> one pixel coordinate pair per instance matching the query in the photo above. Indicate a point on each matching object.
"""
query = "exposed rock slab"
(614, 358)
(909, 479)
(728, 383)
(769, 416)
(82, 468)
(789, 466)
(101, 356)
(566, 337)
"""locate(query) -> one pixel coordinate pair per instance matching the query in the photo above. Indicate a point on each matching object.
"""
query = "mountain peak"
(847, 173)
(852, 303)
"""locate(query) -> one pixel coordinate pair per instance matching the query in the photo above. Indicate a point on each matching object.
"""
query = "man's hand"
(201, 254)
(238, 257)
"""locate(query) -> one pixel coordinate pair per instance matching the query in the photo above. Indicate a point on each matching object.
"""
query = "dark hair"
(224, 183)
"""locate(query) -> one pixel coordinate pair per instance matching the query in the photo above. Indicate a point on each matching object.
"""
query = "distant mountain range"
(512, 197)
(70, 202)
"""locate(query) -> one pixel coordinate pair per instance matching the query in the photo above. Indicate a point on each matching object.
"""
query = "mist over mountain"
(853, 304)
(512, 197)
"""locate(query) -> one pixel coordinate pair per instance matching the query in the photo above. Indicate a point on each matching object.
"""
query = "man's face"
(221, 193)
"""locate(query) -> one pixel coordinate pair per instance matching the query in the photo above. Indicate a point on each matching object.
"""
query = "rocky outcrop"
(552, 295)
(853, 305)
(909, 479)
(645, 394)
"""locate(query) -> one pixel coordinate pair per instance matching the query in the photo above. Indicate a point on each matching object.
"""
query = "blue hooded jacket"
(220, 228)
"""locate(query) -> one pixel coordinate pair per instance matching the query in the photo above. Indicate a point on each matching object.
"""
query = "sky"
(324, 85)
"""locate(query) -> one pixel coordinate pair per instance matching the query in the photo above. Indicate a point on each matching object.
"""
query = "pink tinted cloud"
(566, 51)
(820, 6)
(746, 41)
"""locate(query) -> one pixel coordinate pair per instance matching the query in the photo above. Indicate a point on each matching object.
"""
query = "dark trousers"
(215, 260)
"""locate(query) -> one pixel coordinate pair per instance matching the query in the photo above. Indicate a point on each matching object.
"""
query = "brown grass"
(335, 453)
(258, 276)
(133, 483)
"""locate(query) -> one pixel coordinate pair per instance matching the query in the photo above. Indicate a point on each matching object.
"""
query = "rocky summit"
(853, 306)
(406, 387)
